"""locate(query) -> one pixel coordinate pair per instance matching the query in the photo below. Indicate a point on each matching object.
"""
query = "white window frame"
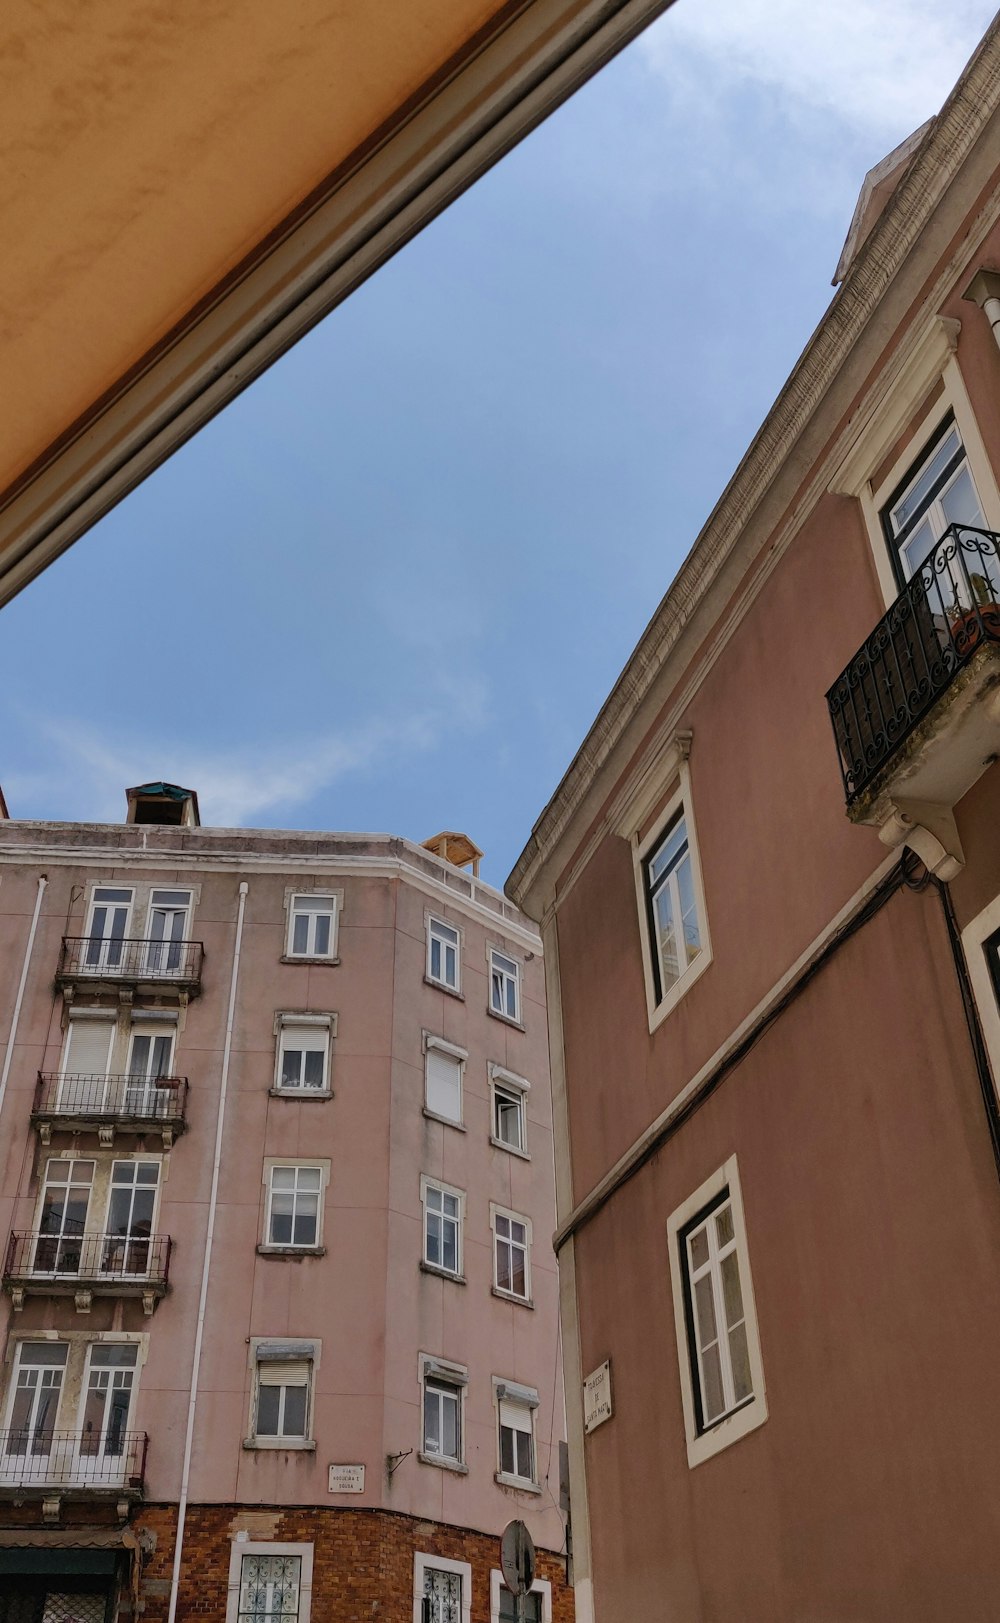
(987, 998)
(433, 922)
(431, 1042)
(442, 1372)
(336, 897)
(702, 1445)
(440, 1563)
(494, 951)
(911, 376)
(94, 904)
(242, 1546)
(510, 1083)
(286, 1021)
(541, 1586)
(299, 1351)
(300, 1163)
(678, 804)
(525, 1399)
(426, 1184)
(513, 1217)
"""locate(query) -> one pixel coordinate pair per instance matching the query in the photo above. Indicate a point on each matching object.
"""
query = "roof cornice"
(939, 160)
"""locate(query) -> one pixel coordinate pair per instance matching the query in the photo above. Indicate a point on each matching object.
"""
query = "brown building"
(279, 1304)
(774, 1028)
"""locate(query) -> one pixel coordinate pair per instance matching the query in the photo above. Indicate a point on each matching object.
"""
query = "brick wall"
(362, 1561)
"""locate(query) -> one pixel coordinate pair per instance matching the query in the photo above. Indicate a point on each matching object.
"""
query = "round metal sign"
(517, 1558)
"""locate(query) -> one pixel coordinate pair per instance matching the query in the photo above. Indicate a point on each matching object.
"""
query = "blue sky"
(389, 588)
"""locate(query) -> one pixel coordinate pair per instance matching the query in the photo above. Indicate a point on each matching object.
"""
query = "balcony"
(131, 961)
(78, 1463)
(87, 1265)
(916, 713)
(76, 1103)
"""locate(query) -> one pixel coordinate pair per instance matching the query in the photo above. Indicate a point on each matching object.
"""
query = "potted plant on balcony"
(968, 624)
(167, 1082)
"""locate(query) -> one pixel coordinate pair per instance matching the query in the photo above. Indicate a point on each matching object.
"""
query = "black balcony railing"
(82, 1460)
(949, 609)
(131, 959)
(110, 1262)
(74, 1096)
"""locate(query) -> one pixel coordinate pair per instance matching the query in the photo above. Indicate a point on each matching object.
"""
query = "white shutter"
(444, 1084)
(89, 1048)
(293, 1373)
(514, 1415)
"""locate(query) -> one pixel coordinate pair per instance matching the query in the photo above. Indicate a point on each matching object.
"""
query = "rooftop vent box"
(162, 803)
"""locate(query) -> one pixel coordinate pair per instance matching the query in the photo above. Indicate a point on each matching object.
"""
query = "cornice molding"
(926, 182)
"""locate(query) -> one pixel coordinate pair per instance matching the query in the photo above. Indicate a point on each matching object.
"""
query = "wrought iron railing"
(160, 1099)
(949, 609)
(131, 958)
(88, 1259)
(38, 1458)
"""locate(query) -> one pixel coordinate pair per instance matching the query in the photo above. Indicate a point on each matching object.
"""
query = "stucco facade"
(774, 1081)
(340, 1254)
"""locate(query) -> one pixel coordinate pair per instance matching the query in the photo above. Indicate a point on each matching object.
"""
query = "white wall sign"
(347, 1479)
(597, 1406)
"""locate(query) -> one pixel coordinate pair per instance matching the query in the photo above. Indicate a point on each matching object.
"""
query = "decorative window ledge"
(511, 1296)
(441, 1273)
(301, 1093)
(295, 958)
(512, 1149)
(505, 1019)
(517, 1482)
(439, 986)
(446, 1121)
(442, 1463)
(300, 1445)
(291, 1251)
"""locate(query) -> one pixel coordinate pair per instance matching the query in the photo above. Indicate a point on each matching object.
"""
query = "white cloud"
(879, 65)
(85, 775)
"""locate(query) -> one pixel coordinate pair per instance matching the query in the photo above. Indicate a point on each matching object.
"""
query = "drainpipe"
(8, 1056)
(984, 290)
(213, 1200)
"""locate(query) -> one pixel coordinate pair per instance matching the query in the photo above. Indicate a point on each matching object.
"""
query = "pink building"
(775, 1028)
(277, 1204)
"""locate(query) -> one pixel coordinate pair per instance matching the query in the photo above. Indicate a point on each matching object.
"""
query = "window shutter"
(89, 1046)
(444, 1084)
(515, 1415)
(294, 1372)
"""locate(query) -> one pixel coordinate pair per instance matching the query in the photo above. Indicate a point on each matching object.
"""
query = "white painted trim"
(657, 1011)
(313, 1163)
(541, 1586)
(703, 1445)
(515, 1217)
(430, 920)
(440, 1563)
(456, 1376)
(285, 1021)
(526, 1400)
(493, 949)
(513, 1084)
(310, 1357)
(975, 934)
(313, 891)
(242, 1546)
(427, 1182)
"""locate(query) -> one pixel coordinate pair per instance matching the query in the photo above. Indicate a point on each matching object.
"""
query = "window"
(110, 910)
(505, 986)
(443, 1387)
(151, 1053)
(673, 907)
(304, 1053)
(34, 1400)
(537, 1602)
(508, 1095)
(444, 955)
(938, 491)
(312, 926)
(131, 1210)
(511, 1253)
(516, 1407)
(719, 1352)
(107, 1401)
(269, 1588)
(442, 1226)
(169, 911)
(284, 1391)
(65, 1202)
(269, 1583)
(443, 1066)
(442, 1590)
(293, 1205)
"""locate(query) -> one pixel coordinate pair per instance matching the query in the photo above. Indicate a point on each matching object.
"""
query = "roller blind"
(89, 1046)
(444, 1084)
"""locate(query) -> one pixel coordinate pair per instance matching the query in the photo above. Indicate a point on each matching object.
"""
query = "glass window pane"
(295, 1411)
(731, 1289)
(322, 934)
(960, 502)
(704, 1302)
(917, 493)
(724, 1226)
(449, 1426)
(698, 1247)
(667, 852)
(740, 1357)
(712, 1400)
(268, 1398)
(300, 933)
(507, 1451)
(314, 1069)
